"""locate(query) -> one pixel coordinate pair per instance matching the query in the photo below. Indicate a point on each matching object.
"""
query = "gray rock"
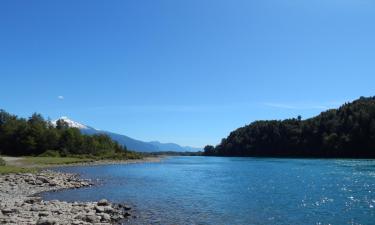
(91, 218)
(7, 211)
(79, 217)
(43, 179)
(35, 208)
(29, 179)
(46, 221)
(76, 222)
(33, 200)
(99, 209)
(117, 217)
(109, 209)
(74, 210)
(18, 203)
(39, 182)
(43, 213)
(105, 217)
(103, 202)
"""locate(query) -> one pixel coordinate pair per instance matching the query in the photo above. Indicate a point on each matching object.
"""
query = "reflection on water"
(214, 190)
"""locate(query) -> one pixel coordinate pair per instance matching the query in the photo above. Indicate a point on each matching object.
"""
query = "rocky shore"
(114, 162)
(19, 203)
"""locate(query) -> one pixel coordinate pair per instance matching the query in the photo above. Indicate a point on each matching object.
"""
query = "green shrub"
(2, 162)
(50, 153)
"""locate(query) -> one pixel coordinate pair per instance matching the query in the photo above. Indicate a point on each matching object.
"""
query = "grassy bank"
(16, 169)
(5, 168)
(33, 164)
(55, 160)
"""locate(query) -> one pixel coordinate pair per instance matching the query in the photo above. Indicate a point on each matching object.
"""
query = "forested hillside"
(35, 136)
(348, 131)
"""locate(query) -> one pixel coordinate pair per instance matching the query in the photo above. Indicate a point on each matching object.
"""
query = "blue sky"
(184, 71)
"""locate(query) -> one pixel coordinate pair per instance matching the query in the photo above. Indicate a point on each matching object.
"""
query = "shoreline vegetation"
(29, 164)
(36, 136)
(346, 132)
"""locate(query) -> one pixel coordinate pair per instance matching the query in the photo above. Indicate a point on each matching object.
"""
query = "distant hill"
(173, 147)
(348, 131)
(130, 143)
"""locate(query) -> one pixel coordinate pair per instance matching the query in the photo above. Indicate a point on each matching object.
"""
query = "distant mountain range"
(130, 143)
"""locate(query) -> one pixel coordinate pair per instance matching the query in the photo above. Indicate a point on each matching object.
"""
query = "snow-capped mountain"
(130, 143)
(71, 123)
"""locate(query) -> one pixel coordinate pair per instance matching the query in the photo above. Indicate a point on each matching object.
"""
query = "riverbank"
(113, 162)
(34, 164)
(19, 203)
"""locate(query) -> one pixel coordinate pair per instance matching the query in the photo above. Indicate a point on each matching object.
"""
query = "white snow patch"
(71, 123)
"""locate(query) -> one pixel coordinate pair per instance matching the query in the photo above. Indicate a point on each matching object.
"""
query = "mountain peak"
(71, 123)
(130, 143)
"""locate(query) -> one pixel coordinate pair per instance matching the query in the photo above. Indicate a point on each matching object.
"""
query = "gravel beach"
(19, 203)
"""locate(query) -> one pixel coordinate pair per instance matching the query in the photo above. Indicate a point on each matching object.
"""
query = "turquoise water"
(214, 190)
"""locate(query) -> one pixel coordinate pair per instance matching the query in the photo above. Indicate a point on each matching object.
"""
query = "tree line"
(37, 136)
(348, 131)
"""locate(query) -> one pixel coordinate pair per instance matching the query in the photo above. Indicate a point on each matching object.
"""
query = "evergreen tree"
(345, 132)
(36, 135)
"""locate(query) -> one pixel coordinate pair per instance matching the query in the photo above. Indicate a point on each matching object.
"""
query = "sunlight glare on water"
(215, 190)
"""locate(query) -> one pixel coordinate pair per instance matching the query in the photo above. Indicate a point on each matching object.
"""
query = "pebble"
(103, 202)
(19, 205)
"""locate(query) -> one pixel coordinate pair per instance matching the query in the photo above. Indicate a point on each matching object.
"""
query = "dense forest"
(348, 131)
(37, 136)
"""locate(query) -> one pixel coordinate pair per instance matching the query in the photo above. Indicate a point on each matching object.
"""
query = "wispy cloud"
(60, 97)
